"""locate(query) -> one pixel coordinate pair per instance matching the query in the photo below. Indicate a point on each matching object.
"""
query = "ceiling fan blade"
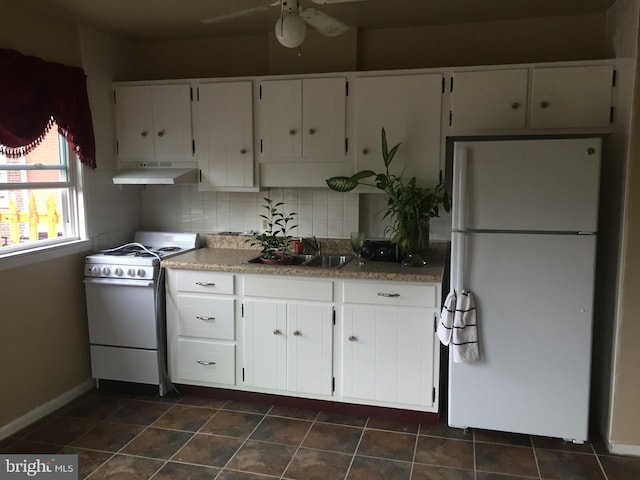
(329, 2)
(239, 14)
(323, 23)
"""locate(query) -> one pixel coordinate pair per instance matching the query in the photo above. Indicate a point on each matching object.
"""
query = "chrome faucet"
(314, 243)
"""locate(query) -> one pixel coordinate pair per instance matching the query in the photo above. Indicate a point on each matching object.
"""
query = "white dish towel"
(458, 326)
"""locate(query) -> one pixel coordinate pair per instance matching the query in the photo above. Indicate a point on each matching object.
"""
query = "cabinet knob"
(277, 332)
(297, 333)
(591, 151)
(515, 105)
(365, 151)
(243, 151)
(544, 104)
(353, 338)
(144, 133)
(293, 131)
(161, 133)
(312, 131)
(205, 362)
(388, 295)
(200, 317)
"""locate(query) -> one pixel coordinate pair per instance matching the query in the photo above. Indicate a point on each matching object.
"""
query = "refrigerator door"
(534, 298)
(536, 185)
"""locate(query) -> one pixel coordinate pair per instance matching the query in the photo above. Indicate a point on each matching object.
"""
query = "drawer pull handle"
(388, 295)
(200, 317)
(277, 332)
(353, 338)
(206, 284)
(297, 333)
(205, 362)
(544, 104)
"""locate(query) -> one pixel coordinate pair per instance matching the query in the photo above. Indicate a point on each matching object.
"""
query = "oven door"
(121, 313)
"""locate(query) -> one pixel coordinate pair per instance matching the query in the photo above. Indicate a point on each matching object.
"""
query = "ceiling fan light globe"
(290, 30)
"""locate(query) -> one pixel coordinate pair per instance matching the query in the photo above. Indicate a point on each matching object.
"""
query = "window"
(39, 193)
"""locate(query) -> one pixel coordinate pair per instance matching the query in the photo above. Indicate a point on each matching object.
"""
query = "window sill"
(42, 254)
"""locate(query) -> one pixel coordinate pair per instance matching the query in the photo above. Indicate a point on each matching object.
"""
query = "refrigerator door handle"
(459, 214)
(459, 217)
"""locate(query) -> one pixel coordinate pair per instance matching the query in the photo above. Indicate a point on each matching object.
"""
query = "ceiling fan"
(291, 26)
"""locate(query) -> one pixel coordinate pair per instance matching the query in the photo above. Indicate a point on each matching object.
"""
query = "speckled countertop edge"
(232, 255)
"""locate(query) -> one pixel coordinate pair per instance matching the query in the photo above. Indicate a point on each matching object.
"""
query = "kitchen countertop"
(236, 260)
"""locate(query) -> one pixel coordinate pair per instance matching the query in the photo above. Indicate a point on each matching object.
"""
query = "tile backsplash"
(320, 212)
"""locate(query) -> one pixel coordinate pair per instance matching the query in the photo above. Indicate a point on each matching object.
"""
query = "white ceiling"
(179, 19)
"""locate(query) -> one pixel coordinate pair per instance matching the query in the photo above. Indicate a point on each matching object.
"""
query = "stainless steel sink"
(328, 261)
(318, 261)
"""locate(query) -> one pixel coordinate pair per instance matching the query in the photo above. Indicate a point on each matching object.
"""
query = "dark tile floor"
(136, 437)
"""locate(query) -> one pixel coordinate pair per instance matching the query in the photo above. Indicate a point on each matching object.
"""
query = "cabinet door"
(281, 118)
(224, 141)
(388, 354)
(154, 122)
(265, 344)
(571, 97)
(134, 122)
(309, 348)
(172, 122)
(495, 99)
(409, 107)
(323, 118)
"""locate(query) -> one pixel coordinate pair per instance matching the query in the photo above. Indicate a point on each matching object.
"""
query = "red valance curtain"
(34, 94)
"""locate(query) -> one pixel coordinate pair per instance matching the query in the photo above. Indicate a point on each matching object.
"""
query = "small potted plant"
(275, 241)
(409, 206)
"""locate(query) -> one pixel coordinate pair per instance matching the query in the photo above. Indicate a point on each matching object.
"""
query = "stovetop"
(147, 249)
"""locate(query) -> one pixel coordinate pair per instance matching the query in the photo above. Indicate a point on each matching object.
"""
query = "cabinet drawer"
(293, 288)
(390, 293)
(201, 316)
(205, 282)
(207, 362)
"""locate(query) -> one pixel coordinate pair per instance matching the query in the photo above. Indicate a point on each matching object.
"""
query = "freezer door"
(534, 297)
(539, 185)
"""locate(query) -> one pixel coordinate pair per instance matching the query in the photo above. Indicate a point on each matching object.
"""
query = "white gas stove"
(125, 307)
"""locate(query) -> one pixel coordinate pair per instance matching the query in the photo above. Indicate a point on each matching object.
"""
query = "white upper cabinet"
(409, 107)
(303, 119)
(495, 99)
(571, 97)
(153, 122)
(562, 97)
(223, 119)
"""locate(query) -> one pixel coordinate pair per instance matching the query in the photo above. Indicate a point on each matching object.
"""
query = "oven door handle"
(117, 281)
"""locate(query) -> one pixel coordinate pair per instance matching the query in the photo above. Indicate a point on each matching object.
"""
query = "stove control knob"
(141, 272)
(95, 270)
(119, 272)
(131, 272)
(106, 271)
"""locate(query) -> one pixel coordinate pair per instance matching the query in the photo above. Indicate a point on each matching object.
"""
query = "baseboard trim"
(45, 409)
(623, 449)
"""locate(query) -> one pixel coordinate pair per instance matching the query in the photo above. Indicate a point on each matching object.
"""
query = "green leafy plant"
(409, 206)
(275, 241)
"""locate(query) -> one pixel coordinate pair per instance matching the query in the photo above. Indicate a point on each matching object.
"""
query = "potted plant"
(275, 241)
(409, 207)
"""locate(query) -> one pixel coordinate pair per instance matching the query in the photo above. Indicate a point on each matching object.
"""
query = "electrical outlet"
(265, 225)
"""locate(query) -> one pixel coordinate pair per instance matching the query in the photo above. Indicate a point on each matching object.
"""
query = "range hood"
(156, 173)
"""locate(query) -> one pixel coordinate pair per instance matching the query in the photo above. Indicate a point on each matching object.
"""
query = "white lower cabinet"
(201, 328)
(355, 341)
(390, 354)
(288, 346)
(288, 334)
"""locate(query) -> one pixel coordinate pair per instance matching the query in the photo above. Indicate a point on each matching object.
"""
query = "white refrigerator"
(523, 243)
